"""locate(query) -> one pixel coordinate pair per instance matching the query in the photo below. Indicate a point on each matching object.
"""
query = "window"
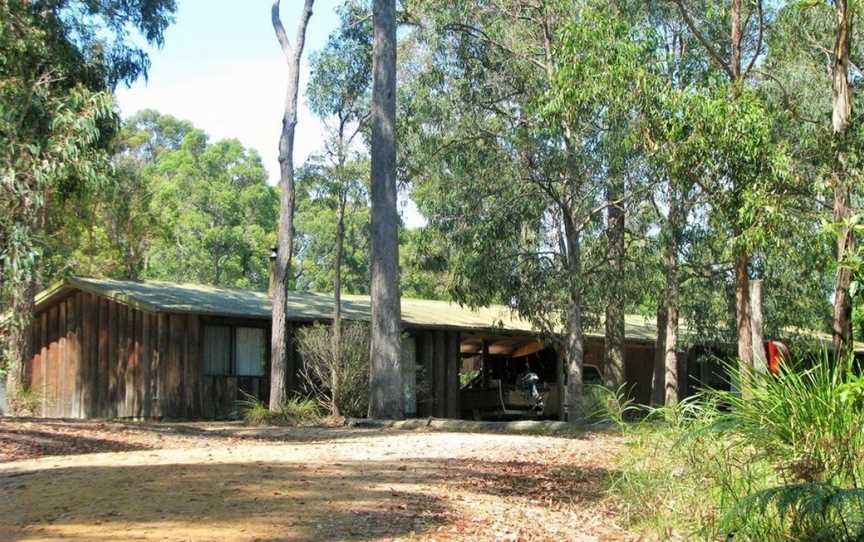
(217, 350)
(250, 351)
(237, 351)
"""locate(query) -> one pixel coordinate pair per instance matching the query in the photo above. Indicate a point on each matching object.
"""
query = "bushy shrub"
(338, 382)
(781, 462)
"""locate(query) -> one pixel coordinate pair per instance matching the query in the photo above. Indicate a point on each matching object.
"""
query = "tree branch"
(282, 36)
(279, 29)
(691, 24)
(758, 40)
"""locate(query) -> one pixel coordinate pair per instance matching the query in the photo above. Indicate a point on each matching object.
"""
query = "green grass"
(295, 411)
(782, 462)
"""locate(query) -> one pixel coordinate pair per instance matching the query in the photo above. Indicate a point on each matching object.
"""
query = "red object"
(776, 352)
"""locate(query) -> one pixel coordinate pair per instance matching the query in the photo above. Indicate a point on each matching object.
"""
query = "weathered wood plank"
(453, 366)
(193, 366)
(208, 404)
(73, 356)
(43, 347)
(62, 408)
(439, 373)
(87, 387)
(106, 315)
(146, 359)
(174, 367)
(161, 364)
(130, 374)
(121, 359)
(425, 386)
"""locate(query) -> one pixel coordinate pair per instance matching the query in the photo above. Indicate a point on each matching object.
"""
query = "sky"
(222, 69)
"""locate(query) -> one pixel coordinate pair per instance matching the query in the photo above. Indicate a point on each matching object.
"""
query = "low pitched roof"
(158, 296)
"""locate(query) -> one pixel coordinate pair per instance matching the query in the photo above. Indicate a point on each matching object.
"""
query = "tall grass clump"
(295, 411)
(782, 460)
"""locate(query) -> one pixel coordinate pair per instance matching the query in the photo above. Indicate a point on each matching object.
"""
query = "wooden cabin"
(127, 349)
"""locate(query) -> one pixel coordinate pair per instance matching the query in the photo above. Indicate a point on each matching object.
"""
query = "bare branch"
(759, 39)
(300, 40)
(278, 28)
(282, 36)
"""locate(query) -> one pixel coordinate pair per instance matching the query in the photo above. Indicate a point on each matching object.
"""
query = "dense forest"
(574, 160)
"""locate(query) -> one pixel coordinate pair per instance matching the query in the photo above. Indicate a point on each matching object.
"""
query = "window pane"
(217, 350)
(250, 351)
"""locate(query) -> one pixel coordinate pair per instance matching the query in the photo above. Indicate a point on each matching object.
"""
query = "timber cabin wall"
(98, 358)
(438, 362)
(93, 357)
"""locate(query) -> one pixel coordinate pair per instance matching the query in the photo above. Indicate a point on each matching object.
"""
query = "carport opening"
(508, 378)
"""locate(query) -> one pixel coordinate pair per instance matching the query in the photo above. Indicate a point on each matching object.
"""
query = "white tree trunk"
(281, 361)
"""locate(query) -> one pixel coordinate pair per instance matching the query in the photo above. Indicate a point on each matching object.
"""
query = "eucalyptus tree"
(60, 63)
(281, 367)
(846, 130)
(811, 74)
(735, 55)
(510, 155)
(339, 91)
(386, 399)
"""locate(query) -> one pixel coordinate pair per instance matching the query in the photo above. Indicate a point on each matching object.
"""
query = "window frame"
(233, 324)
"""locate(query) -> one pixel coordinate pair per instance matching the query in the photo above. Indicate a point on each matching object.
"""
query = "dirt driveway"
(206, 482)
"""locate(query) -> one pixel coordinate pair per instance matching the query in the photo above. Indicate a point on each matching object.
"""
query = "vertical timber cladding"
(95, 357)
(53, 368)
(438, 355)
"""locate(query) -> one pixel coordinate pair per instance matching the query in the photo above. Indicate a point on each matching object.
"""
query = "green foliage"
(604, 405)
(338, 381)
(319, 194)
(782, 465)
(179, 208)
(295, 411)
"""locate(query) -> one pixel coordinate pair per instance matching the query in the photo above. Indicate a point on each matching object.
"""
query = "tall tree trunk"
(574, 348)
(337, 306)
(742, 258)
(841, 328)
(736, 75)
(282, 364)
(742, 313)
(386, 399)
(673, 288)
(613, 367)
(658, 384)
(671, 342)
(757, 327)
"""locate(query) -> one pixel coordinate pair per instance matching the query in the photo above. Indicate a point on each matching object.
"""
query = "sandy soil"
(211, 482)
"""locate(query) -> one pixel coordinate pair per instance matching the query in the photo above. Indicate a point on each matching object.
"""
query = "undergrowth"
(783, 461)
(295, 411)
